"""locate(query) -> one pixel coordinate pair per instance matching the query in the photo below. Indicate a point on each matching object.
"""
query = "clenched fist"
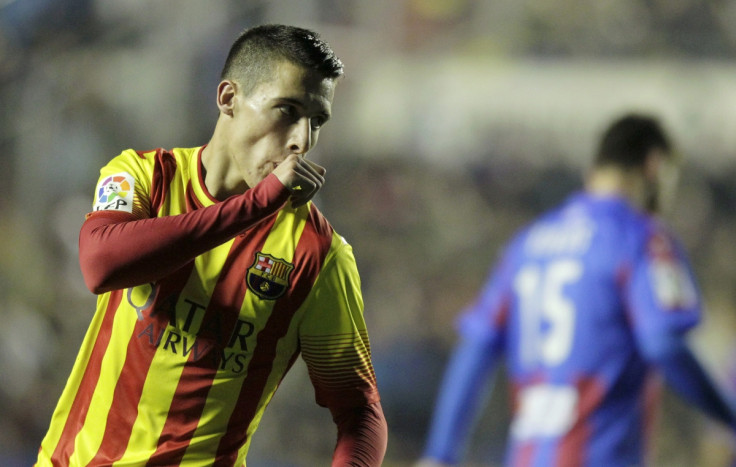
(302, 177)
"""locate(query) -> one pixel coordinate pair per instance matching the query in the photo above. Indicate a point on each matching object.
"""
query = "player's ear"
(226, 92)
(652, 164)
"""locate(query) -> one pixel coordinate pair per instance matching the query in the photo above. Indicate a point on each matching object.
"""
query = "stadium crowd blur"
(458, 120)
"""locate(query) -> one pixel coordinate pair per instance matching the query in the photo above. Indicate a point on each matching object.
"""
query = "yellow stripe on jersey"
(169, 360)
(281, 243)
(333, 333)
(172, 337)
(87, 444)
(58, 422)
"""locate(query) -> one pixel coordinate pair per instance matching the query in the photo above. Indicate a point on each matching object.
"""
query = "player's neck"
(616, 182)
(219, 178)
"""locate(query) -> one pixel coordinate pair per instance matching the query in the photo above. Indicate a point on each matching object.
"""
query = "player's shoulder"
(548, 228)
(184, 154)
(340, 249)
(136, 157)
(143, 163)
(321, 234)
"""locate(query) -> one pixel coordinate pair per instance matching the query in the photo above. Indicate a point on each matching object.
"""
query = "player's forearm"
(688, 378)
(362, 435)
(117, 251)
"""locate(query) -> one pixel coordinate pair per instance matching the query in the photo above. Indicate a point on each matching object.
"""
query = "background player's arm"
(682, 371)
(460, 395)
(468, 372)
(664, 304)
(117, 250)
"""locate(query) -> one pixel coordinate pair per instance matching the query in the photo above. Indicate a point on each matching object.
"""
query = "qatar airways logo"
(188, 333)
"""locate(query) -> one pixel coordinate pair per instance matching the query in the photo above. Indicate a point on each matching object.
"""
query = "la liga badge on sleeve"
(115, 193)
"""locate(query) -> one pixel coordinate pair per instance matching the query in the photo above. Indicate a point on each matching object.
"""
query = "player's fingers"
(316, 168)
(307, 186)
(309, 175)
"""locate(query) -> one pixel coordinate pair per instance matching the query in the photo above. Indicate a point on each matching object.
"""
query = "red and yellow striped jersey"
(180, 370)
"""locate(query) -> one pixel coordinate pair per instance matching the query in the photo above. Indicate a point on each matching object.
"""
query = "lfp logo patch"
(115, 193)
(268, 277)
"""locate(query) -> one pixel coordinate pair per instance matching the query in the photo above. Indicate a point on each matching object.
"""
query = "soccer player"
(215, 271)
(587, 303)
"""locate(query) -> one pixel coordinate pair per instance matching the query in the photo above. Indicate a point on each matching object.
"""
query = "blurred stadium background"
(457, 121)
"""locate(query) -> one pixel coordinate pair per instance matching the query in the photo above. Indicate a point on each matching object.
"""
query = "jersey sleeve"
(662, 293)
(125, 185)
(485, 318)
(122, 244)
(333, 335)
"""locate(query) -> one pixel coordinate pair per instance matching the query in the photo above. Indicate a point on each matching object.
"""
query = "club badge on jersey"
(268, 277)
(115, 193)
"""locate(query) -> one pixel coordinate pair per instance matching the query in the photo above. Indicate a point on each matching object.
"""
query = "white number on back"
(547, 316)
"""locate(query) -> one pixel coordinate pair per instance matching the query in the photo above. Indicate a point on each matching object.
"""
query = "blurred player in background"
(587, 303)
(214, 272)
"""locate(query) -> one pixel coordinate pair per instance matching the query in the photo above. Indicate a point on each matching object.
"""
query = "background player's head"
(256, 52)
(637, 146)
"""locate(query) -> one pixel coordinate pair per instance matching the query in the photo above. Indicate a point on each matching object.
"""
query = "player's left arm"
(683, 372)
(665, 304)
(336, 349)
(362, 435)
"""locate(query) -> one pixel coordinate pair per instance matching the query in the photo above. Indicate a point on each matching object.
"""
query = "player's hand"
(302, 177)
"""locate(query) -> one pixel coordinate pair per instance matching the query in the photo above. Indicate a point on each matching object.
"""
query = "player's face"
(279, 117)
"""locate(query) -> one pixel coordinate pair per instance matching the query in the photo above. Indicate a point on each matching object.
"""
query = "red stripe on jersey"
(80, 406)
(523, 455)
(572, 446)
(191, 198)
(310, 254)
(164, 170)
(129, 388)
(222, 314)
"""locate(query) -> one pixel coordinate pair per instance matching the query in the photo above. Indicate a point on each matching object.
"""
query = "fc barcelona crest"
(268, 277)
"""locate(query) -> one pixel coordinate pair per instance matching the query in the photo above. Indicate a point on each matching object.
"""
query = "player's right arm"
(469, 370)
(302, 177)
(119, 249)
(460, 396)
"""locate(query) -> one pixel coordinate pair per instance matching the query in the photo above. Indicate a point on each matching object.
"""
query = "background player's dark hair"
(255, 52)
(629, 139)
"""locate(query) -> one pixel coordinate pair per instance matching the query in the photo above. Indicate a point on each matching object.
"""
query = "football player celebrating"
(215, 271)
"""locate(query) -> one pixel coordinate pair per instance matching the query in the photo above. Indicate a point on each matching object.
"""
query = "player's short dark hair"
(629, 139)
(254, 54)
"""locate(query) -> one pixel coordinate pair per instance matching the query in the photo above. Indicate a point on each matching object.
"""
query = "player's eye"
(287, 110)
(317, 122)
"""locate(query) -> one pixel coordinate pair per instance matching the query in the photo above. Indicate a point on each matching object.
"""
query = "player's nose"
(300, 137)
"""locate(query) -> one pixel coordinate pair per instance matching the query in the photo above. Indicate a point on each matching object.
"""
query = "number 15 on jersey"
(547, 316)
